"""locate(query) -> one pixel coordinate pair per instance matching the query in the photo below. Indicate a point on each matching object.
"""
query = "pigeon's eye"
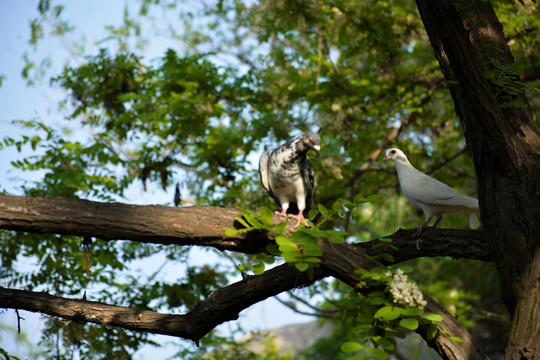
(392, 152)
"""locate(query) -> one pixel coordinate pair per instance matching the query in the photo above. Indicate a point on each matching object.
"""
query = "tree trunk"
(505, 146)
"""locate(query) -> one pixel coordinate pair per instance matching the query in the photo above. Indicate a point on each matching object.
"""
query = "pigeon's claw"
(282, 212)
(301, 219)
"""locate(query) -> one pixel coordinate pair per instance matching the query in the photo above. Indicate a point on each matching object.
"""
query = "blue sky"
(18, 101)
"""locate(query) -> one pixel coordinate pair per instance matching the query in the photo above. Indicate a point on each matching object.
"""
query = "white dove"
(429, 194)
(287, 175)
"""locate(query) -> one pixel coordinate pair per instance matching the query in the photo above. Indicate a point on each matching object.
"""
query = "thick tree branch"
(200, 226)
(197, 225)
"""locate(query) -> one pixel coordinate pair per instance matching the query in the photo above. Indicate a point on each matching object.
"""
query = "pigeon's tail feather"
(473, 221)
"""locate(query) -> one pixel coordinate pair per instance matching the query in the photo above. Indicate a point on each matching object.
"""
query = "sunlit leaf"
(409, 323)
(351, 346)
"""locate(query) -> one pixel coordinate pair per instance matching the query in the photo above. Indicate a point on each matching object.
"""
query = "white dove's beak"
(386, 157)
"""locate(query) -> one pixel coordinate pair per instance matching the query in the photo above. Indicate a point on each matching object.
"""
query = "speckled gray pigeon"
(287, 175)
(432, 196)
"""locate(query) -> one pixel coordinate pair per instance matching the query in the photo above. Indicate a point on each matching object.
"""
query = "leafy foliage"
(379, 318)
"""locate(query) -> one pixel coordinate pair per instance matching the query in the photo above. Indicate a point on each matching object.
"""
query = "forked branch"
(203, 226)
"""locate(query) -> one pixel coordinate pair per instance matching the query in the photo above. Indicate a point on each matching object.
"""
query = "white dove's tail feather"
(473, 221)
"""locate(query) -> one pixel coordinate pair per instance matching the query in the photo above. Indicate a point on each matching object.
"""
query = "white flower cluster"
(405, 292)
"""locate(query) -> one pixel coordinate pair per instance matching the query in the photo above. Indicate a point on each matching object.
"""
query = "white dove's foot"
(421, 228)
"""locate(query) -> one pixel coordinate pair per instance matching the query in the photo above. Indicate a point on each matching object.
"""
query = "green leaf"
(281, 228)
(377, 353)
(386, 313)
(456, 339)
(288, 249)
(266, 216)
(267, 259)
(283, 240)
(350, 347)
(387, 344)
(312, 214)
(248, 213)
(362, 328)
(286, 245)
(230, 232)
(406, 268)
(260, 257)
(377, 301)
(314, 232)
(376, 293)
(432, 331)
(251, 218)
(243, 222)
(258, 268)
(291, 257)
(388, 257)
(411, 311)
(336, 239)
(302, 266)
(324, 211)
(367, 317)
(312, 250)
(432, 317)
(333, 232)
(304, 238)
(409, 323)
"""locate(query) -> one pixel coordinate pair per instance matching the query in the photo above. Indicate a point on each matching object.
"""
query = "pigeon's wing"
(428, 190)
(264, 173)
(308, 178)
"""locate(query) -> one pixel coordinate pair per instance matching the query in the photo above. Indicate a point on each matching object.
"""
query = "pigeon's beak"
(317, 148)
(386, 157)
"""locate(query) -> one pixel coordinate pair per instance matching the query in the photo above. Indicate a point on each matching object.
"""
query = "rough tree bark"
(200, 226)
(505, 146)
(175, 226)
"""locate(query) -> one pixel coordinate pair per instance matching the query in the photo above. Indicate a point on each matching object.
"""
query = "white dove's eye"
(392, 152)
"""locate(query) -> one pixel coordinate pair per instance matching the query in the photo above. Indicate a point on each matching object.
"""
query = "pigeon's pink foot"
(282, 212)
(301, 219)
